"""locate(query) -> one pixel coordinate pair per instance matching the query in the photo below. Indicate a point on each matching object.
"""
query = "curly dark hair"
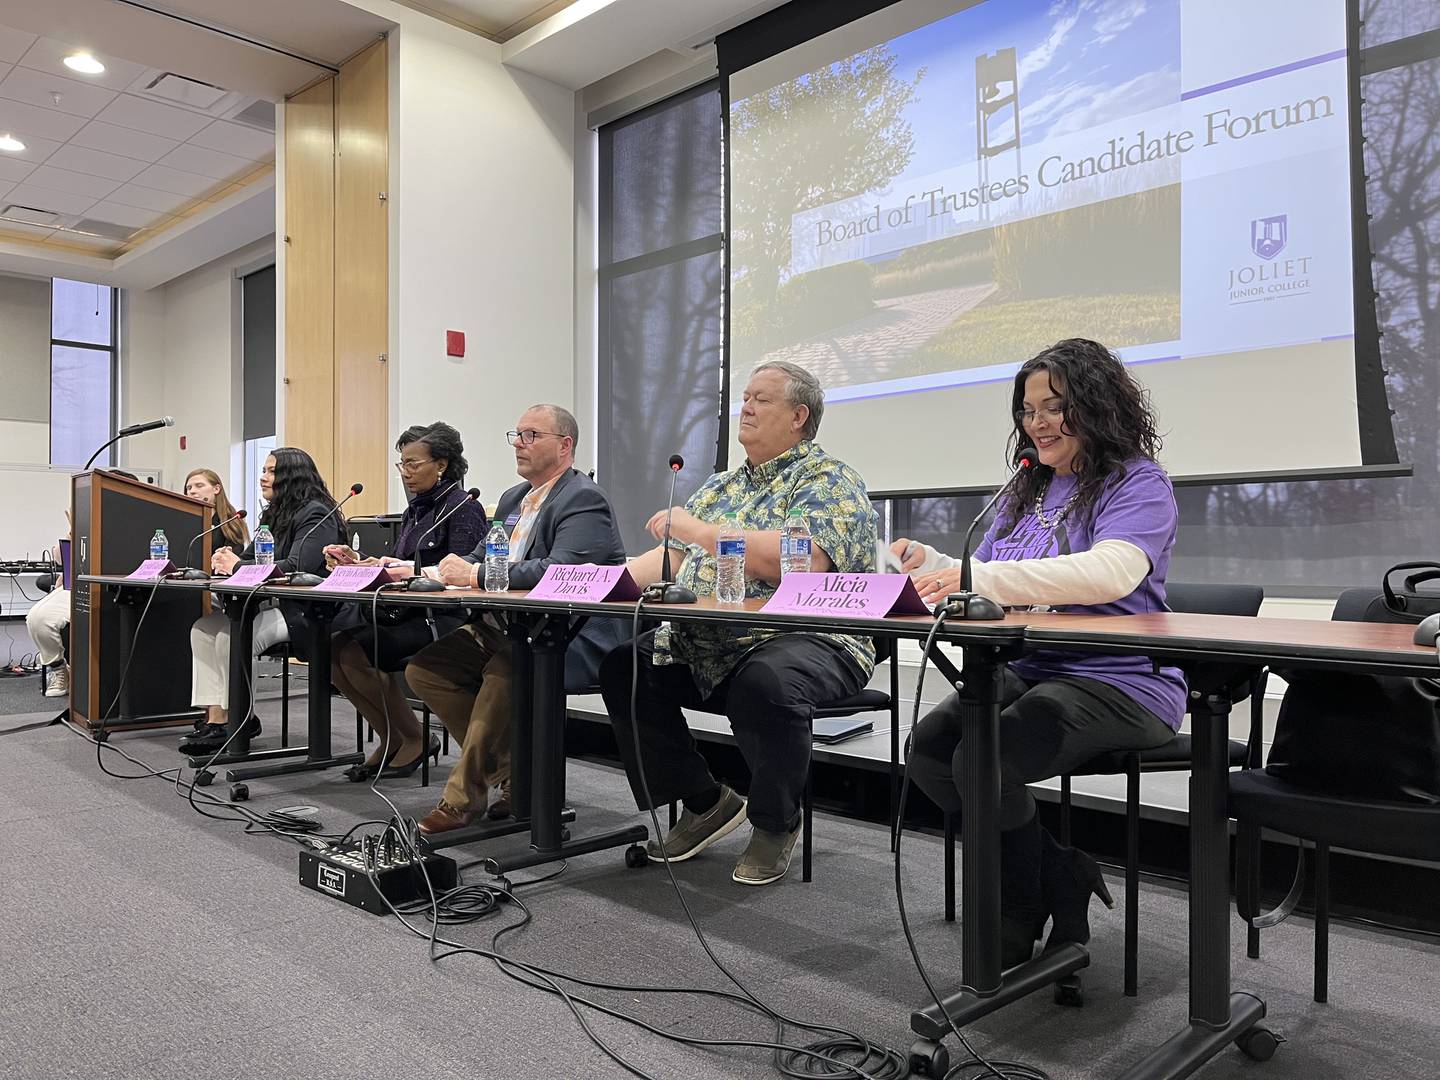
(1105, 408)
(444, 444)
(297, 482)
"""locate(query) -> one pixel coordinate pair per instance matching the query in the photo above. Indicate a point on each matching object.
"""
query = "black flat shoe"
(215, 736)
(397, 772)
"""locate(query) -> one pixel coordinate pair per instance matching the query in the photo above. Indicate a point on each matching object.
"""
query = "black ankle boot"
(1022, 899)
(1070, 877)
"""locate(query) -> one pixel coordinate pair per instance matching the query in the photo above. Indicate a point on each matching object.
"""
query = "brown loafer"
(445, 818)
(500, 808)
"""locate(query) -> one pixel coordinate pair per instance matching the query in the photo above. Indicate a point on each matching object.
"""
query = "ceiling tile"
(153, 117)
(126, 142)
(36, 150)
(19, 228)
(39, 87)
(166, 202)
(180, 182)
(48, 54)
(47, 123)
(95, 162)
(212, 163)
(64, 202)
(13, 44)
(47, 176)
(119, 214)
(14, 169)
(237, 139)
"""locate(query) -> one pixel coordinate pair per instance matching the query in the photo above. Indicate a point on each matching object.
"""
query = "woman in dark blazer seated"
(297, 501)
(432, 467)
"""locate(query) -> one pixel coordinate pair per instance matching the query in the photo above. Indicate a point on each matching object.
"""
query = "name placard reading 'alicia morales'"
(866, 596)
(585, 581)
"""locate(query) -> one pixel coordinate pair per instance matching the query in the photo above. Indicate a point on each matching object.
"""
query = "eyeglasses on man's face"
(529, 435)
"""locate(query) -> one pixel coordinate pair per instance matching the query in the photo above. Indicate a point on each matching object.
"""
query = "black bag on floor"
(1366, 736)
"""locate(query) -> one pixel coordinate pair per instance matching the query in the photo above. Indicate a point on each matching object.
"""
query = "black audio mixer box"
(339, 871)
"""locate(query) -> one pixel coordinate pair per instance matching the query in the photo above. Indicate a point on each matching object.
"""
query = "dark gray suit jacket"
(576, 524)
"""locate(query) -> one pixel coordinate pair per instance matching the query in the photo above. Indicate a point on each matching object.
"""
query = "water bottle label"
(497, 551)
(730, 547)
(800, 546)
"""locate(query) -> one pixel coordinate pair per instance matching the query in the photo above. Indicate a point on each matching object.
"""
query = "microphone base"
(667, 592)
(424, 584)
(194, 575)
(972, 607)
(309, 580)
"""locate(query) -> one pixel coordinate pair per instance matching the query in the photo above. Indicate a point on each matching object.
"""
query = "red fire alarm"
(182, 442)
(454, 342)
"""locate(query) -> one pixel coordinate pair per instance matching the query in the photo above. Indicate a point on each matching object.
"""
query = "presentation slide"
(926, 197)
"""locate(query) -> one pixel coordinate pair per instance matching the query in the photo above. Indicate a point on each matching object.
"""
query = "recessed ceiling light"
(84, 63)
(10, 143)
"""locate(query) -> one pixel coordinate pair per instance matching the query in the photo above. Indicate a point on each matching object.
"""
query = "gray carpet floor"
(141, 940)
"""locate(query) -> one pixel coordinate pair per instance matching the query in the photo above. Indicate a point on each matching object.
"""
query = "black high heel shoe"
(397, 772)
(1070, 877)
(358, 774)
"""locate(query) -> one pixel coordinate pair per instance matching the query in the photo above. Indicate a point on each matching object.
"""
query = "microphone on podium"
(666, 589)
(190, 573)
(149, 425)
(421, 583)
(965, 603)
(316, 579)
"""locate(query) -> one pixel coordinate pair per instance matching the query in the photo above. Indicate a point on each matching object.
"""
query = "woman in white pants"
(297, 503)
(47, 622)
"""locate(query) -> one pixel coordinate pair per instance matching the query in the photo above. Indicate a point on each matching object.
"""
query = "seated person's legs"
(376, 695)
(674, 767)
(210, 673)
(465, 680)
(47, 621)
(770, 699)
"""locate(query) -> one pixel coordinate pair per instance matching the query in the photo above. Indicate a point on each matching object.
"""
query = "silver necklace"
(1050, 518)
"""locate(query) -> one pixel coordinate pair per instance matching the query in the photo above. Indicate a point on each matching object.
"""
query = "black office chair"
(867, 700)
(1261, 801)
(1233, 681)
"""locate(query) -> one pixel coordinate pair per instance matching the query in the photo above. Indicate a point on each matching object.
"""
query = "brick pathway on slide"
(876, 346)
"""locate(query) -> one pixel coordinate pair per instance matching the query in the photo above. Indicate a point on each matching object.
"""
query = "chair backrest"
(1364, 605)
(1214, 599)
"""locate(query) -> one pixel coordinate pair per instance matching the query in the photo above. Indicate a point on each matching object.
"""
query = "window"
(82, 371)
(661, 217)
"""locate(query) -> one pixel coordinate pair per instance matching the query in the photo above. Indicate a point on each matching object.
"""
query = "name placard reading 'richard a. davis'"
(868, 596)
(585, 581)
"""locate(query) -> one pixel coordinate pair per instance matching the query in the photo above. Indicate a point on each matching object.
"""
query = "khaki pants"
(465, 678)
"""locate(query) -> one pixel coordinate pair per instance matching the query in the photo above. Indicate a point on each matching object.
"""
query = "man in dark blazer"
(558, 515)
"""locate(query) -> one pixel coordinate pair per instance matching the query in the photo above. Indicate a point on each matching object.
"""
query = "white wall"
(181, 357)
(482, 239)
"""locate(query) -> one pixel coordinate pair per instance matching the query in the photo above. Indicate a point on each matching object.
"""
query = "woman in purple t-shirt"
(1089, 530)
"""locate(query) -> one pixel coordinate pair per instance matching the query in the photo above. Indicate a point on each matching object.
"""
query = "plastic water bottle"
(159, 546)
(497, 558)
(795, 545)
(264, 546)
(730, 562)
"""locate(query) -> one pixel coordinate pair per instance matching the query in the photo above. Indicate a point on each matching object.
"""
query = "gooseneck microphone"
(421, 583)
(126, 432)
(966, 603)
(190, 573)
(669, 592)
(316, 579)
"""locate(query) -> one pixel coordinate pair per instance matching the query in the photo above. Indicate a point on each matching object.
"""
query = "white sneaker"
(58, 684)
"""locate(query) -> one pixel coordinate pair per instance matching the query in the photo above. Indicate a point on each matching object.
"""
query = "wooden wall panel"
(309, 244)
(362, 285)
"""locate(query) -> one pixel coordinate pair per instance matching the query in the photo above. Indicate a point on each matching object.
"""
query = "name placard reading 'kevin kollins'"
(864, 596)
(585, 581)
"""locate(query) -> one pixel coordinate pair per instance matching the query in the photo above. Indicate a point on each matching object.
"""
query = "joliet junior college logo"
(1268, 236)
(1271, 278)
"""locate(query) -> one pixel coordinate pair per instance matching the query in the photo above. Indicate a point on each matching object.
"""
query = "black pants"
(1045, 730)
(769, 698)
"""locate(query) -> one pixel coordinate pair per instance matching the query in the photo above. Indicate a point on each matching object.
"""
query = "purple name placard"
(585, 581)
(354, 578)
(865, 596)
(151, 569)
(251, 575)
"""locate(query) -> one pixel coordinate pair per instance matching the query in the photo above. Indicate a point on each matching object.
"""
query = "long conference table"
(541, 629)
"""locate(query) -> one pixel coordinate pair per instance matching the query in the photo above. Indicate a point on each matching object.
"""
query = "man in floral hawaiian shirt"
(768, 683)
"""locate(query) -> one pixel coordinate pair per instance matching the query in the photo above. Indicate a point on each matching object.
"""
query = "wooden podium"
(114, 518)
